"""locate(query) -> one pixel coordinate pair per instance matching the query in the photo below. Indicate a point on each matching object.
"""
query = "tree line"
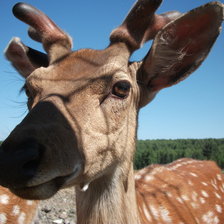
(166, 151)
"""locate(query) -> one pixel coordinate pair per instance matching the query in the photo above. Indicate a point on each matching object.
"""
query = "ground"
(60, 209)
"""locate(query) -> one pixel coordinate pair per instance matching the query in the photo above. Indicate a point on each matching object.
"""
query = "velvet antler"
(142, 24)
(55, 41)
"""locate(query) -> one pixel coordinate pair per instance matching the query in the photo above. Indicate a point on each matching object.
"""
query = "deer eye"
(121, 89)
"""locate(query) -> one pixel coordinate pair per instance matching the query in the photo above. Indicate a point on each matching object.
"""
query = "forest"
(166, 151)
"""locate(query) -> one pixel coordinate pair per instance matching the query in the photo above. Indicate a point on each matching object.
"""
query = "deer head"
(83, 105)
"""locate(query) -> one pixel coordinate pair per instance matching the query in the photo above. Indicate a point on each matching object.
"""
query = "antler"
(141, 24)
(56, 43)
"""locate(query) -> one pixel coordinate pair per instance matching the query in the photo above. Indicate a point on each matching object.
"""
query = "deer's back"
(15, 210)
(185, 191)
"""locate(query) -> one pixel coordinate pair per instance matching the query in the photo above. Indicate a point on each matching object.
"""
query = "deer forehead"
(83, 64)
(89, 71)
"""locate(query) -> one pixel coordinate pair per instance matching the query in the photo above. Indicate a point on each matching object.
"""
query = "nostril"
(29, 169)
(32, 160)
(28, 158)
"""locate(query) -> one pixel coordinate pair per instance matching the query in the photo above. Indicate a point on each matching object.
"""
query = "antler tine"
(159, 22)
(33, 34)
(55, 41)
(141, 24)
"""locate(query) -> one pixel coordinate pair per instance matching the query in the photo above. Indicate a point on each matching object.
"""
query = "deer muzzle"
(34, 161)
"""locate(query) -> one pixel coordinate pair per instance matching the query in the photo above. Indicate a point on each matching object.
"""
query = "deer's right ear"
(23, 58)
(179, 48)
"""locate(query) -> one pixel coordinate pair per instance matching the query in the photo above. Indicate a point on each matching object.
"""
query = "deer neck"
(108, 200)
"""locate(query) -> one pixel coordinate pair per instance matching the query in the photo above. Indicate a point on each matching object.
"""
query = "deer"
(14, 209)
(83, 108)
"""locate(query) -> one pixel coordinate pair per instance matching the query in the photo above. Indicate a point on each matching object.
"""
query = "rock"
(58, 221)
(63, 215)
(46, 210)
(59, 209)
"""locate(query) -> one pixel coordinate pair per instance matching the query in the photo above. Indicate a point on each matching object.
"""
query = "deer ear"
(23, 58)
(180, 47)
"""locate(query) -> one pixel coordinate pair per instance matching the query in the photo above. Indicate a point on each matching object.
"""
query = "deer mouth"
(47, 189)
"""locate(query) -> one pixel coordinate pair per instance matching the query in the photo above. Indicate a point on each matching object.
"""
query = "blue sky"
(192, 109)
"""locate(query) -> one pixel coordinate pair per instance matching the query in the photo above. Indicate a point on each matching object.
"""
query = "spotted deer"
(83, 106)
(185, 191)
(15, 210)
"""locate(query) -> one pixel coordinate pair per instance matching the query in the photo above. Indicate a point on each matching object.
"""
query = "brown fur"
(15, 210)
(185, 191)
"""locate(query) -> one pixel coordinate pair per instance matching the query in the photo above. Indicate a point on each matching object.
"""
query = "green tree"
(165, 151)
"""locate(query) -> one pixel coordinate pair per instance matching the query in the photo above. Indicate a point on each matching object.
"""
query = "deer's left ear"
(24, 59)
(179, 48)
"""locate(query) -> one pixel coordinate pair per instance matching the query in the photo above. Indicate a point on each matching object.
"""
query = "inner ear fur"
(180, 47)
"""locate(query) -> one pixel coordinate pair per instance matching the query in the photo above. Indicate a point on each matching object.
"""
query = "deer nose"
(19, 163)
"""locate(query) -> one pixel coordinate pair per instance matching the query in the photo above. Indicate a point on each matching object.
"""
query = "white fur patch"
(217, 195)
(219, 177)
(180, 200)
(4, 199)
(205, 194)
(149, 178)
(209, 218)
(146, 213)
(194, 196)
(218, 208)
(193, 174)
(165, 215)
(202, 200)
(3, 218)
(29, 202)
(190, 183)
(185, 197)
(205, 184)
(154, 212)
(21, 218)
(15, 210)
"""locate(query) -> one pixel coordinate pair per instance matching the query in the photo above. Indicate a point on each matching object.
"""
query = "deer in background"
(81, 127)
(15, 210)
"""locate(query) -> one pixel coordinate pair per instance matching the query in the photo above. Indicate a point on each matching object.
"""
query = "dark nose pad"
(19, 163)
